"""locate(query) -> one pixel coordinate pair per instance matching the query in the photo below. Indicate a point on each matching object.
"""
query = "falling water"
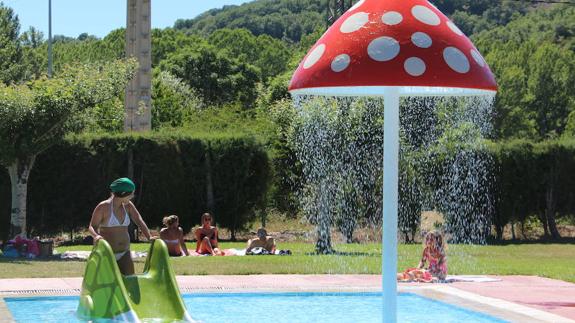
(444, 165)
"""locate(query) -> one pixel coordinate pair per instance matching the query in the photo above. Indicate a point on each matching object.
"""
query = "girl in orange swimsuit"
(173, 236)
(207, 237)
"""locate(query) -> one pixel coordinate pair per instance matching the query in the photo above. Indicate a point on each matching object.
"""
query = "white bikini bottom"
(119, 255)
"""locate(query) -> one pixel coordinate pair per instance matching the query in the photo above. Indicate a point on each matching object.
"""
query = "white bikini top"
(113, 221)
(172, 241)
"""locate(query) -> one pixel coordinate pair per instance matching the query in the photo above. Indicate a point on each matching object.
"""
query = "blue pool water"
(277, 307)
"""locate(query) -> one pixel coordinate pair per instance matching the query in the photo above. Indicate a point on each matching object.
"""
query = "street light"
(49, 38)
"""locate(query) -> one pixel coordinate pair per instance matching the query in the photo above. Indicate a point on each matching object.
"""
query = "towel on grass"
(470, 279)
(71, 255)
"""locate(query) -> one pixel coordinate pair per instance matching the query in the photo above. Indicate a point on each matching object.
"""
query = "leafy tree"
(11, 69)
(173, 101)
(33, 59)
(536, 93)
(35, 116)
(219, 79)
(167, 41)
(268, 54)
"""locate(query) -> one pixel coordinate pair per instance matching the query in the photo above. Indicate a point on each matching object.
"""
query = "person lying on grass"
(263, 244)
(435, 256)
(173, 236)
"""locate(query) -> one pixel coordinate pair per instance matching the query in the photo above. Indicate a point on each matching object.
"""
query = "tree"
(10, 50)
(173, 101)
(219, 79)
(270, 55)
(35, 116)
(33, 59)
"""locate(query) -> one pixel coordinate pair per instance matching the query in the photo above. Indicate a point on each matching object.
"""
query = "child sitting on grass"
(434, 255)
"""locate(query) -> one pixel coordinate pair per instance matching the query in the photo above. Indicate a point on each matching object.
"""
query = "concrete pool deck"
(514, 298)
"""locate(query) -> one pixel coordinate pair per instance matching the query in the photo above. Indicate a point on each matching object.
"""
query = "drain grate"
(74, 291)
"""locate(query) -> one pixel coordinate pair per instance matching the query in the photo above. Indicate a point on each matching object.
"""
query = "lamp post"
(49, 38)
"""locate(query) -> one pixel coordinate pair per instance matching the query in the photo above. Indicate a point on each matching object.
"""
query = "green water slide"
(151, 296)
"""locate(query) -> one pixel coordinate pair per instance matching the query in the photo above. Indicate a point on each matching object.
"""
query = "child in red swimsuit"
(434, 255)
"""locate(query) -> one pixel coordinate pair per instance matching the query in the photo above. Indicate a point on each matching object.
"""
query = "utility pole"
(138, 98)
(49, 38)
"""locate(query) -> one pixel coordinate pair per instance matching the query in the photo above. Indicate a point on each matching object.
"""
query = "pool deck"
(514, 298)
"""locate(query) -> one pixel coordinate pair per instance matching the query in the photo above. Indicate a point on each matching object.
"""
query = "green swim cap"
(122, 185)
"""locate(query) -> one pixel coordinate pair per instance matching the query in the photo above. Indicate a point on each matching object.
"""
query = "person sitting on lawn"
(173, 236)
(207, 237)
(263, 244)
(435, 256)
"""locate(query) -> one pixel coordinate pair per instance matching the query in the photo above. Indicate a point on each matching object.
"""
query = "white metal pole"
(49, 38)
(390, 203)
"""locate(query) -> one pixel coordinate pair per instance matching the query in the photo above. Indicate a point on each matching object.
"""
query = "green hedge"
(170, 171)
(534, 179)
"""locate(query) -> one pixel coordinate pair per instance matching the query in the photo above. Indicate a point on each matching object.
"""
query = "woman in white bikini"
(110, 221)
(173, 236)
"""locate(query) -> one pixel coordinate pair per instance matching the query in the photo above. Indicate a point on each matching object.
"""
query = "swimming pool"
(278, 307)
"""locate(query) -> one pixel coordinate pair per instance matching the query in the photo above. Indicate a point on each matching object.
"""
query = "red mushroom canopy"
(393, 43)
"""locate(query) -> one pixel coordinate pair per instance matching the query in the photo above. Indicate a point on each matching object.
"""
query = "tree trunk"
(19, 172)
(209, 183)
(323, 244)
(523, 229)
(543, 219)
(499, 232)
(553, 226)
(550, 202)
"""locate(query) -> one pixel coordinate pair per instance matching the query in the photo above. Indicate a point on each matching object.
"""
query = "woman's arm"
(249, 245)
(423, 259)
(215, 240)
(95, 223)
(182, 242)
(135, 215)
(198, 236)
(163, 234)
(273, 244)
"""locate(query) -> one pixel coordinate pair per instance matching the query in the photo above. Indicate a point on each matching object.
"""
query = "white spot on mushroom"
(425, 15)
(314, 56)
(383, 49)
(478, 58)
(456, 60)
(357, 5)
(354, 22)
(340, 63)
(391, 18)
(414, 66)
(421, 40)
(454, 28)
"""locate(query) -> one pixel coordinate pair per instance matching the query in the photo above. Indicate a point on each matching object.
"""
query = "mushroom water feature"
(392, 49)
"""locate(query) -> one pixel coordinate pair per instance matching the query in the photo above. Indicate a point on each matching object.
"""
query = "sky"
(99, 17)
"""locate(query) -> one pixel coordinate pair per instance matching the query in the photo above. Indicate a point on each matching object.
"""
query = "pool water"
(277, 307)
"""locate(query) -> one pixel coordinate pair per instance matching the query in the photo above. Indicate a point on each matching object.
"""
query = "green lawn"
(548, 260)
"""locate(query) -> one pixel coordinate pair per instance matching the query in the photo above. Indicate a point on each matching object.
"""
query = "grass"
(547, 260)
